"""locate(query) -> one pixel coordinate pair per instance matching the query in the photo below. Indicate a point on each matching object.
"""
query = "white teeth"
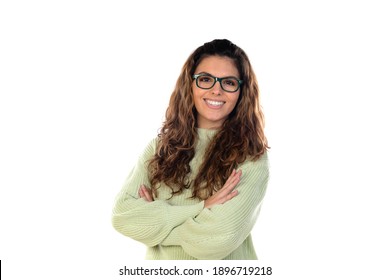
(214, 103)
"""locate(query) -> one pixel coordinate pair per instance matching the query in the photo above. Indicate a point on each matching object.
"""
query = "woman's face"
(215, 104)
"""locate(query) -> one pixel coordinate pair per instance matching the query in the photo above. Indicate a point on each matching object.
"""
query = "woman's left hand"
(146, 193)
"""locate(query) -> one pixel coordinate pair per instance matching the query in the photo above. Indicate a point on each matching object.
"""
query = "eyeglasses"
(206, 81)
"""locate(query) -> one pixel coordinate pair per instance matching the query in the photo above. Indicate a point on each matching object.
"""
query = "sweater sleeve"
(147, 222)
(216, 232)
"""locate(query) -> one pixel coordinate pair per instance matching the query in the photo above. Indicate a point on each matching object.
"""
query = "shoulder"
(255, 172)
(150, 149)
(262, 162)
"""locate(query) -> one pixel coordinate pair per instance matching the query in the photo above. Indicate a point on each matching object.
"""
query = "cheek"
(194, 92)
(234, 100)
(196, 99)
(197, 95)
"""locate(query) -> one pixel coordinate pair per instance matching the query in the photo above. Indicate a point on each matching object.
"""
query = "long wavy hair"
(241, 136)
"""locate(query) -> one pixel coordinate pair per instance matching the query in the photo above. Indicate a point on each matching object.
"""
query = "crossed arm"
(226, 193)
(209, 229)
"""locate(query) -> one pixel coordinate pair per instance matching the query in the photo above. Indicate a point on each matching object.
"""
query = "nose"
(217, 88)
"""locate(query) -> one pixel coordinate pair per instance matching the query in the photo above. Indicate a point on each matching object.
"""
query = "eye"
(205, 79)
(230, 82)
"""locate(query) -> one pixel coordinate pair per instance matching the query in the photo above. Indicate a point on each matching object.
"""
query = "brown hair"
(240, 137)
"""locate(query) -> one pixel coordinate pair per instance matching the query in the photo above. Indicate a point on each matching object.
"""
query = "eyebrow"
(206, 73)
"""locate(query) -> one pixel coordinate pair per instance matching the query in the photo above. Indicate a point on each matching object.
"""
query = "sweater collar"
(206, 133)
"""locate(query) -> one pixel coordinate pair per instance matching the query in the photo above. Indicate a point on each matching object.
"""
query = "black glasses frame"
(217, 79)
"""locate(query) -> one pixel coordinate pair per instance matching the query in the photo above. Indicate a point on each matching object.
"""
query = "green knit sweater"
(180, 228)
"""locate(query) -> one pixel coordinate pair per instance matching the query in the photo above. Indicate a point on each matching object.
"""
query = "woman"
(196, 190)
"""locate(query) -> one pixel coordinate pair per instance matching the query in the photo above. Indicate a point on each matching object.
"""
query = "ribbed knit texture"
(181, 228)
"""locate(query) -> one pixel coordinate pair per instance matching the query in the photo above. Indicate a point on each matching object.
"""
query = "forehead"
(220, 66)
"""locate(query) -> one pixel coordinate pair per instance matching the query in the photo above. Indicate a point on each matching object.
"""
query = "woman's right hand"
(145, 193)
(226, 193)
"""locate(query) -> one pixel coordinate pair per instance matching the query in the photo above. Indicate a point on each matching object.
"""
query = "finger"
(148, 194)
(229, 196)
(141, 189)
(232, 183)
(226, 187)
(233, 194)
(231, 177)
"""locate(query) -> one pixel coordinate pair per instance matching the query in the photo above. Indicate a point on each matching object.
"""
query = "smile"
(213, 103)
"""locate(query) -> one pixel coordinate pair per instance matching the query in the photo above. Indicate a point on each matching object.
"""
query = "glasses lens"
(230, 84)
(205, 82)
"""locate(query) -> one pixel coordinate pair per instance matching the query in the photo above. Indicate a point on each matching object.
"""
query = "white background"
(85, 84)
